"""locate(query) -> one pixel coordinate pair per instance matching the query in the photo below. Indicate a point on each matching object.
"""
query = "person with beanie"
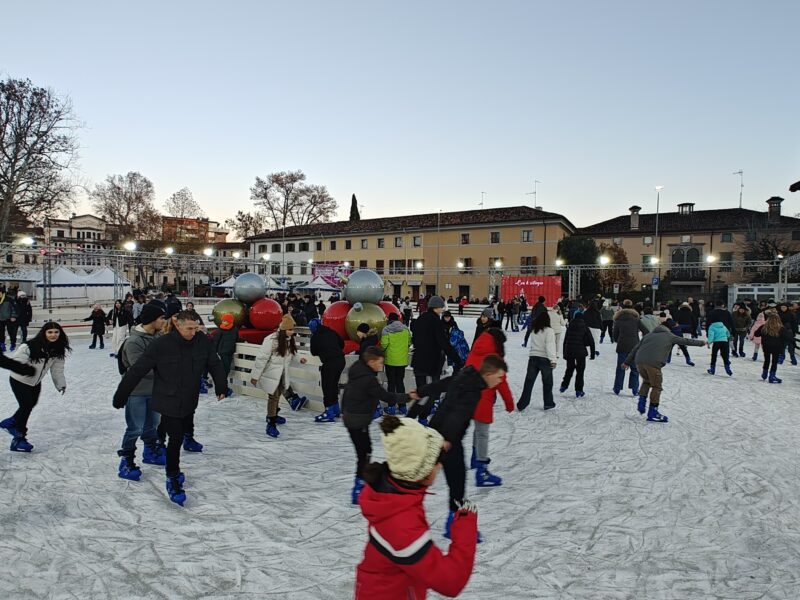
(141, 421)
(366, 338)
(177, 359)
(396, 342)
(329, 347)
(270, 371)
(627, 327)
(431, 345)
(358, 404)
(485, 321)
(400, 559)
(453, 417)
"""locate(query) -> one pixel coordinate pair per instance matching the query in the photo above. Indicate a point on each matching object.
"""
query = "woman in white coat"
(558, 325)
(47, 351)
(271, 369)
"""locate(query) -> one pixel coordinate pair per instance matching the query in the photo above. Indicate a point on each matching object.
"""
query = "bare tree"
(183, 205)
(608, 277)
(38, 147)
(126, 203)
(287, 200)
(245, 224)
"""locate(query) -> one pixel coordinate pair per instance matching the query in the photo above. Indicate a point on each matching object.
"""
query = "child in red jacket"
(491, 341)
(400, 559)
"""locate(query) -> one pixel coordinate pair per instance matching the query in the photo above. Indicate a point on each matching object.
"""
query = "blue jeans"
(619, 378)
(141, 422)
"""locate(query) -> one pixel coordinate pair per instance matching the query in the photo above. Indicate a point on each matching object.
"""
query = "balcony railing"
(687, 274)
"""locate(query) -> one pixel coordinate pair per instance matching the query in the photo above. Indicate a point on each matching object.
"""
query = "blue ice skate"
(562, 389)
(10, 425)
(329, 416)
(580, 394)
(279, 420)
(450, 516)
(128, 469)
(402, 409)
(689, 362)
(655, 416)
(20, 444)
(175, 490)
(423, 421)
(191, 445)
(358, 485)
(755, 356)
(390, 410)
(378, 412)
(793, 360)
(764, 374)
(728, 369)
(642, 405)
(153, 454)
(774, 379)
(272, 431)
(635, 391)
(712, 370)
(616, 391)
(296, 402)
(203, 386)
(483, 478)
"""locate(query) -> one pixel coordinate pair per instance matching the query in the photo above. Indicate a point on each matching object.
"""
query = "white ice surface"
(596, 502)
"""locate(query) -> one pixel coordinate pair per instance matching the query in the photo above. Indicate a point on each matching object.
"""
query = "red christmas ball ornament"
(389, 308)
(265, 314)
(350, 346)
(335, 315)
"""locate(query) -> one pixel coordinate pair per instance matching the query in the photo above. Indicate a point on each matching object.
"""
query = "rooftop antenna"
(533, 193)
(740, 173)
(483, 194)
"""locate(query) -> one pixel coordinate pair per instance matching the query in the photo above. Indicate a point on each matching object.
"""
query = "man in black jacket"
(178, 360)
(431, 344)
(329, 347)
(358, 407)
(453, 417)
(718, 314)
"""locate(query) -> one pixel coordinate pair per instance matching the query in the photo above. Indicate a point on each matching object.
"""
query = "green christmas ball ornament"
(232, 307)
(371, 314)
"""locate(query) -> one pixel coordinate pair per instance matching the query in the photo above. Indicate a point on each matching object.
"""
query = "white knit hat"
(412, 450)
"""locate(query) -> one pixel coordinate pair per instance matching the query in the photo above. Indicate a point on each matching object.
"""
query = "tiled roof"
(724, 219)
(510, 214)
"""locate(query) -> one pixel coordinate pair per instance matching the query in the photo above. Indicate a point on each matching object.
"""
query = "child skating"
(774, 338)
(719, 341)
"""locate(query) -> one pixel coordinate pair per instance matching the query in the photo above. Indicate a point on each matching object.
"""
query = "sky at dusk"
(421, 106)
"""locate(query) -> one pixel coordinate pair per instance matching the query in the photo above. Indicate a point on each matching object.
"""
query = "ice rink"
(596, 502)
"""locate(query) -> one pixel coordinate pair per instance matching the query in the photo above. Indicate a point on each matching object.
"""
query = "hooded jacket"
(270, 367)
(132, 349)
(483, 346)
(685, 316)
(55, 365)
(431, 344)
(741, 322)
(577, 338)
(760, 320)
(395, 341)
(401, 562)
(25, 312)
(557, 321)
(361, 394)
(627, 327)
(653, 348)
(178, 365)
(327, 345)
(717, 332)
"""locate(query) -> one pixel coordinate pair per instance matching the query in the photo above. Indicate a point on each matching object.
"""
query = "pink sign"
(332, 272)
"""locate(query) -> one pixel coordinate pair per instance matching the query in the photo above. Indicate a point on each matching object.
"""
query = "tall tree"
(621, 275)
(38, 148)
(126, 203)
(245, 224)
(354, 214)
(287, 200)
(183, 205)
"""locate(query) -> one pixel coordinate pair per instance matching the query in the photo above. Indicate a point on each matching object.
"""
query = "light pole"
(657, 241)
(740, 173)
(438, 244)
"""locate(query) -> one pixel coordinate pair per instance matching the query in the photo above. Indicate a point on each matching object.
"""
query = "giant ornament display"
(249, 287)
(265, 314)
(229, 306)
(388, 308)
(334, 317)
(364, 286)
(371, 314)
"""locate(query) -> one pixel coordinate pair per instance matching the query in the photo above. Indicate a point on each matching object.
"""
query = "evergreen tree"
(354, 216)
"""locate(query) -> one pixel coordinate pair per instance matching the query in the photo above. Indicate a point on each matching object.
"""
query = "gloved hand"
(62, 390)
(524, 344)
(119, 401)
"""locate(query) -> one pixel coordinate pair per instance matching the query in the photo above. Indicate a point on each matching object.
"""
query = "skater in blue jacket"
(719, 340)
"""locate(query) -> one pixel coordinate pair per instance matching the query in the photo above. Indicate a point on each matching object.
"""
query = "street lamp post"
(657, 241)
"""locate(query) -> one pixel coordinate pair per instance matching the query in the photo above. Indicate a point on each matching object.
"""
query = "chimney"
(635, 217)
(774, 210)
(686, 208)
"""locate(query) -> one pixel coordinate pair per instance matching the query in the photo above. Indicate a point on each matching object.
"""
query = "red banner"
(531, 287)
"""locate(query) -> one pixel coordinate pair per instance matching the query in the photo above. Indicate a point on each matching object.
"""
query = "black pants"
(330, 372)
(394, 380)
(578, 366)
(188, 428)
(460, 310)
(419, 409)
(455, 472)
(607, 327)
(95, 337)
(12, 332)
(510, 321)
(771, 361)
(27, 397)
(175, 428)
(724, 349)
(363, 446)
(738, 342)
(536, 365)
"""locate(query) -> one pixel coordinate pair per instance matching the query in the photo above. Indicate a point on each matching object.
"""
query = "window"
(647, 266)
(397, 266)
(417, 241)
(303, 246)
(727, 238)
(398, 242)
(318, 246)
(647, 240)
(276, 248)
(527, 265)
(725, 257)
(467, 262)
(617, 241)
(303, 268)
(527, 235)
(59, 233)
(464, 239)
(333, 244)
(379, 267)
(364, 244)
(289, 269)
(275, 269)
(348, 244)
(262, 248)
(750, 236)
(494, 237)
(686, 239)
(289, 247)
(362, 264)
(9, 258)
(381, 243)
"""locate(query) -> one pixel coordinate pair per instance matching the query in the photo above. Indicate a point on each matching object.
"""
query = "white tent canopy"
(320, 285)
(228, 283)
(98, 285)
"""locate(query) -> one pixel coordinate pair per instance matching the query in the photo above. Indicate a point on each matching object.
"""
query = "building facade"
(696, 251)
(454, 254)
